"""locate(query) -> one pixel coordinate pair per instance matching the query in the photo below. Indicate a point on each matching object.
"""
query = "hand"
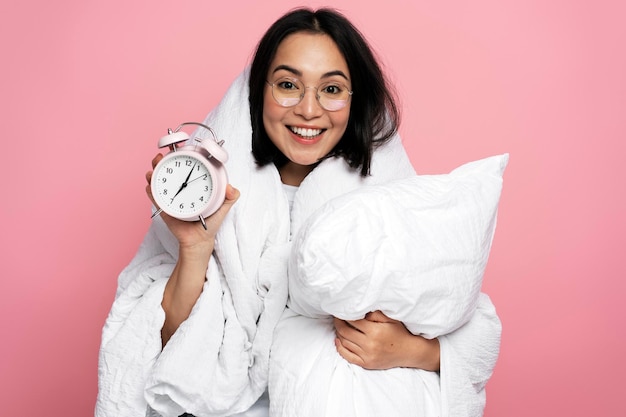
(191, 234)
(379, 342)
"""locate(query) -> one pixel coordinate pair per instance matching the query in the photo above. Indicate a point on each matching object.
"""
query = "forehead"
(309, 56)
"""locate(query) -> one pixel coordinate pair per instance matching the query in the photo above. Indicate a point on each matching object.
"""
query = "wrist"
(199, 252)
(425, 353)
(188, 277)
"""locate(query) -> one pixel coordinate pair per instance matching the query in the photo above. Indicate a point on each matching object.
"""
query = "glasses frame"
(317, 93)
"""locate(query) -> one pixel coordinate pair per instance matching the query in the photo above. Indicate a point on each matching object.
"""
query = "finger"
(232, 194)
(347, 333)
(157, 158)
(345, 328)
(361, 326)
(149, 193)
(347, 354)
(151, 197)
(350, 345)
(230, 198)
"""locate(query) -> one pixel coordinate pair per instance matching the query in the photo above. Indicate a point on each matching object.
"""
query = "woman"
(191, 328)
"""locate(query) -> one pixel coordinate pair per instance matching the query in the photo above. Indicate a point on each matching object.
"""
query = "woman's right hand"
(195, 247)
(192, 234)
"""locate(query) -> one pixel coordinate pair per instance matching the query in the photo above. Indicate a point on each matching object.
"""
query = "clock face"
(182, 185)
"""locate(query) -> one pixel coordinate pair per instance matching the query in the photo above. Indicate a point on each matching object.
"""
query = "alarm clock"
(189, 183)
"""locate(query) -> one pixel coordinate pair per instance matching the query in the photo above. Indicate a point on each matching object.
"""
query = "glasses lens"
(287, 101)
(287, 91)
(333, 105)
(332, 96)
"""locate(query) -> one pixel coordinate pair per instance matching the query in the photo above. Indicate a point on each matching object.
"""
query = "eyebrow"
(298, 73)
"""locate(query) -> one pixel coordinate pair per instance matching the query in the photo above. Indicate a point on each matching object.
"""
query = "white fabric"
(217, 362)
(414, 248)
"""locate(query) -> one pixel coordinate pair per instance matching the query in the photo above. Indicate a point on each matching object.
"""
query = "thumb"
(230, 198)
(232, 195)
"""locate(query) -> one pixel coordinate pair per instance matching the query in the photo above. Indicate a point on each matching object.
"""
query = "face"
(306, 132)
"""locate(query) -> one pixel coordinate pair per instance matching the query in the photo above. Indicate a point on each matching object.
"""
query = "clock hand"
(184, 184)
(197, 178)
(190, 172)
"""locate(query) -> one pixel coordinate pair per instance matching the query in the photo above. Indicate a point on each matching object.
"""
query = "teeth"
(305, 132)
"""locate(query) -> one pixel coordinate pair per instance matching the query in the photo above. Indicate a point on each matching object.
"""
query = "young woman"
(191, 327)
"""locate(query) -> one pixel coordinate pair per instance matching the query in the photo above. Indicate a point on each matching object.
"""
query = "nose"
(309, 107)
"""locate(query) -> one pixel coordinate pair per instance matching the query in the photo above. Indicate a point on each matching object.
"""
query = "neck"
(294, 174)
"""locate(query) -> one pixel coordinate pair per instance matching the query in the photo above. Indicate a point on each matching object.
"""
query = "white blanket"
(217, 362)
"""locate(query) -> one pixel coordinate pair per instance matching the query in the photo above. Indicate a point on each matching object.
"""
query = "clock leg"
(156, 213)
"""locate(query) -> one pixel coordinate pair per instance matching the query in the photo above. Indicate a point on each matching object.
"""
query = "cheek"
(272, 122)
(271, 112)
(340, 120)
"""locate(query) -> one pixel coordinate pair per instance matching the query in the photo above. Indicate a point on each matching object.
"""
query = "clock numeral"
(182, 206)
(201, 198)
(165, 191)
(188, 162)
(193, 204)
(177, 164)
(206, 188)
(163, 180)
(169, 170)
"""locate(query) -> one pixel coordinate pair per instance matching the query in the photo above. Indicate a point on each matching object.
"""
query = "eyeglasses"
(332, 95)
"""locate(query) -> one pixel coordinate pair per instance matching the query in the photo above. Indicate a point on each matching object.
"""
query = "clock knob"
(215, 150)
(173, 138)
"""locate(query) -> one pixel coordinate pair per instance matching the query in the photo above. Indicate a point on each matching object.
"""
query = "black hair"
(374, 115)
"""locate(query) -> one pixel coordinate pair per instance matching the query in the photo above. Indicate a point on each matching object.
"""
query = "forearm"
(421, 353)
(184, 287)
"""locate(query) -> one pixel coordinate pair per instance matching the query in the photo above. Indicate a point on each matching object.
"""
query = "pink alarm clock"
(189, 183)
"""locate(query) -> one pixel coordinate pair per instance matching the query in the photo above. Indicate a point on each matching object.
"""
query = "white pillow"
(416, 249)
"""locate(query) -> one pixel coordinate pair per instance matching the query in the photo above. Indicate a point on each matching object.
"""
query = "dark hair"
(374, 116)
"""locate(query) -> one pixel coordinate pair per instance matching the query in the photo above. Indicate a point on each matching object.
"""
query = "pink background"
(88, 87)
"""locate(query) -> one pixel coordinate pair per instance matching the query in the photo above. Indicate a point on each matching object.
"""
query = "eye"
(332, 89)
(287, 84)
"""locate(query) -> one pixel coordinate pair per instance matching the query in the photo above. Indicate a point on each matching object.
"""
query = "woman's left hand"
(379, 342)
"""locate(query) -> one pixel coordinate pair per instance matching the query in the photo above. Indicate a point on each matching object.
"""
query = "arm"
(184, 287)
(195, 247)
(378, 342)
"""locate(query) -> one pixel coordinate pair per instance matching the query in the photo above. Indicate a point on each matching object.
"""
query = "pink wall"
(87, 88)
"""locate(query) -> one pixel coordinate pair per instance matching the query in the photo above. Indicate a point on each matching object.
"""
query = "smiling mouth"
(306, 133)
